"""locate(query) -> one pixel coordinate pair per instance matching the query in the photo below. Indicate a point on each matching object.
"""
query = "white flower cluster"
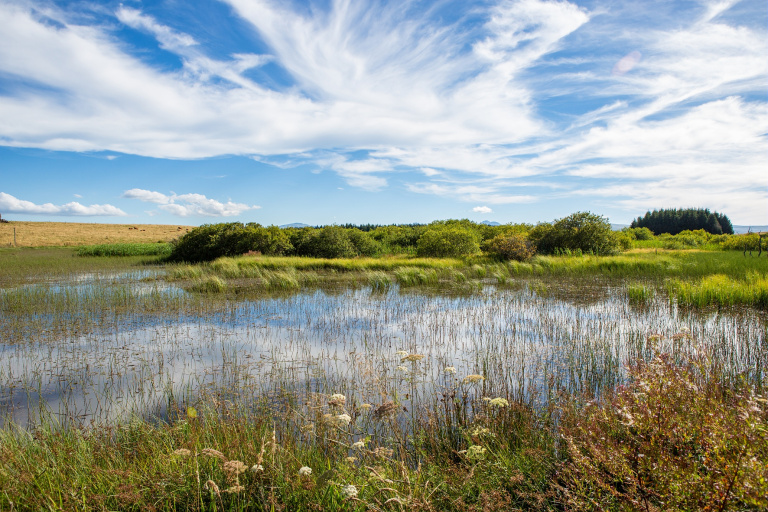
(305, 471)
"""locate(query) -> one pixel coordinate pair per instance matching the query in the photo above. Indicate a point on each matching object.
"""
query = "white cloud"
(11, 204)
(482, 209)
(186, 205)
(463, 107)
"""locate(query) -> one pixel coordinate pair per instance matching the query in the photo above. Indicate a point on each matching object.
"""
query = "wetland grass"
(124, 392)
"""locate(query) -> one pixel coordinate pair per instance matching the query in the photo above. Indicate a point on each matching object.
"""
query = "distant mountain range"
(490, 223)
(295, 225)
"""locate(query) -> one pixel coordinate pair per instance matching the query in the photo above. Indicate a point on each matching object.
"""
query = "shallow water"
(572, 336)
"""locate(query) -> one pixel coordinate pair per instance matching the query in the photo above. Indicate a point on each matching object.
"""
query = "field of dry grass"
(48, 234)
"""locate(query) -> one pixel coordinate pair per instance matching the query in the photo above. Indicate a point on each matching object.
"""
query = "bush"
(583, 231)
(748, 242)
(510, 246)
(326, 242)
(208, 242)
(675, 438)
(363, 243)
(447, 241)
(639, 233)
(271, 241)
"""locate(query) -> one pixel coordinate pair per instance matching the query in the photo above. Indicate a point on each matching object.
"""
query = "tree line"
(581, 232)
(674, 221)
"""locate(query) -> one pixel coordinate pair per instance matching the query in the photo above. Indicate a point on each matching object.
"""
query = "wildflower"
(402, 369)
(480, 431)
(235, 489)
(450, 370)
(499, 402)
(257, 468)
(234, 467)
(338, 397)
(401, 353)
(471, 379)
(349, 491)
(476, 452)
(384, 410)
(351, 460)
(343, 420)
(359, 445)
(211, 486)
(384, 453)
(182, 452)
(365, 407)
(210, 452)
(305, 471)
(412, 358)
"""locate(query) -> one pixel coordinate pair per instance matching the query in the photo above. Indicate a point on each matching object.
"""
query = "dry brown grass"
(48, 234)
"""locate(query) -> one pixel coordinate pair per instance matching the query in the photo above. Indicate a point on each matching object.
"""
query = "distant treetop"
(673, 221)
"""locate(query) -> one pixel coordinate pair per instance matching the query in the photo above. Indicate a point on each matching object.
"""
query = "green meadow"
(626, 381)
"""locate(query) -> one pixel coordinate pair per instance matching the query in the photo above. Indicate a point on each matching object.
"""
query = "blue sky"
(336, 111)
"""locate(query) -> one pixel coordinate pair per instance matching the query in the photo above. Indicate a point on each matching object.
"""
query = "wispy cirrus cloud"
(11, 204)
(187, 205)
(467, 106)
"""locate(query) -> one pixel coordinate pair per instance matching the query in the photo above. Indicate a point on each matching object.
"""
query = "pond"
(100, 349)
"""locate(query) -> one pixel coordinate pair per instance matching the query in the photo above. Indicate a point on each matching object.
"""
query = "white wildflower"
(359, 445)
(305, 471)
(450, 369)
(343, 419)
(338, 398)
(401, 353)
(349, 491)
(256, 468)
(402, 369)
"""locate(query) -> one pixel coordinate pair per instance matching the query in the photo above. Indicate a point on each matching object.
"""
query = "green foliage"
(510, 246)
(209, 284)
(440, 241)
(675, 220)
(211, 241)
(639, 233)
(326, 242)
(674, 438)
(583, 231)
(745, 242)
(132, 249)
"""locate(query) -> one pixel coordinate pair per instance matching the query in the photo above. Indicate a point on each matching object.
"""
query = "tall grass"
(721, 290)
(126, 249)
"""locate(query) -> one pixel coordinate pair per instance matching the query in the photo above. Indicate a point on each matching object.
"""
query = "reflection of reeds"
(264, 371)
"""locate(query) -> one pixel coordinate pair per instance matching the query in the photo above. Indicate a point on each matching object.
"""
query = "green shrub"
(326, 242)
(364, 243)
(639, 233)
(447, 241)
(674, 438)
(748, 242)
(271, 241)
(582, 231)
(510, 246)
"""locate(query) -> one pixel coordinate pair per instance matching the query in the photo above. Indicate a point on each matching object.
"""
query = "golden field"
(48, 234)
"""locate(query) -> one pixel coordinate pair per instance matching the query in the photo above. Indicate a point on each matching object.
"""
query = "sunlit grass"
(721, 290)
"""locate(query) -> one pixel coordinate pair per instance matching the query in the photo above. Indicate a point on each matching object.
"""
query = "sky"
(364, 111)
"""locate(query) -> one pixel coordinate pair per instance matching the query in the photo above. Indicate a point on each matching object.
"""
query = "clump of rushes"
(673, 438)
(134, 249)
(640, 293)
(721, 290)
(209, 284)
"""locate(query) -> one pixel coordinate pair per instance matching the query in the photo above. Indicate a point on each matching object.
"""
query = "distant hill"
(619, 227)
(746, 229)
(490, 223)
(295, 225)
